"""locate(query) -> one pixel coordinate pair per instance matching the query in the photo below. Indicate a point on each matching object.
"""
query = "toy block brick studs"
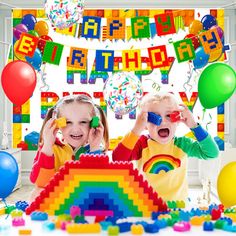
(61, 122)
(175, 116)
(94, 122)
(154, 118)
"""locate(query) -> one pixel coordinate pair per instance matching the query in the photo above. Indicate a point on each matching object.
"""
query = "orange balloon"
(41, 27)
(195, 27)
(18, 55)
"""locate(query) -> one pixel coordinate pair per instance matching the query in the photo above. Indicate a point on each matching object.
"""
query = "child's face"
(78, 117)
(165, 132)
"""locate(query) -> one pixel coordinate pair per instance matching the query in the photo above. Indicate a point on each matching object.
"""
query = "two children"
(160, 155)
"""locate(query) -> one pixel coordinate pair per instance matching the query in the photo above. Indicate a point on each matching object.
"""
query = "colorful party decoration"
(42, 42)
(16, 54)
(8, 174)
(35, 60)
(165, 24)
(195, 27)
(201, 58)
(131, 60)
(78, 58)
(226, 185)
(140, 27)
(98, 187)
(18, 81)
(108, 63)
(208, 21)
(158, 56)
(195, 40)
(115, 28)
(64, 14)
(216, 84)
(122, 92)
(91, 27)
(29, 21)
(18, 29)
(41, 27)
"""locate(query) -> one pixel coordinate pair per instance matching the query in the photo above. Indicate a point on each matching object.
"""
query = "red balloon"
(42, 42)
(195, 40)
(18, 81)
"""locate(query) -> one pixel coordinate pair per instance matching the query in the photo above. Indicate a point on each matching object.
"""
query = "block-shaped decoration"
(140, 27)
(131, 60)
(104, 60)
(60, 122)
(78, 58)
(165, 24)
(158, 56)
(98, 187)
(91, 27)
(52, 53)
(27, 44)
(184, 50)
(115, 28)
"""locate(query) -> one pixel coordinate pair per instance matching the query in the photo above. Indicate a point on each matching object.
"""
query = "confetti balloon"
(64, 13)
(122, 92)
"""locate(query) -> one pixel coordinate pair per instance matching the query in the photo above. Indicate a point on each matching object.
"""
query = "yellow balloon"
(226, 185)
(195, 27)
(18, 55)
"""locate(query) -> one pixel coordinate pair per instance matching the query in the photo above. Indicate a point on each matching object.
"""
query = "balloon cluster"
(208, 22)
(63, 13)
(122, 92)
(39, 29)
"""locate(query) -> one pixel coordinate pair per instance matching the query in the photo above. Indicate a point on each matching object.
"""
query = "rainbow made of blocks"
(98, 187)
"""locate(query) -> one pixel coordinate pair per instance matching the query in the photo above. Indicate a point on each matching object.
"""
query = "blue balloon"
(8, 174)
(35, 60)
(29, 20)
(201, 58)
(208, 21)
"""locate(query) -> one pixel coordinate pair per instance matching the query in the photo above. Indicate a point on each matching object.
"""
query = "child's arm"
(130, 147)
(42, 170)
(95, 139)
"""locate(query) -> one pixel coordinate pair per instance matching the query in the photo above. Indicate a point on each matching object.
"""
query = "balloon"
(208, 21)
(35, 60)
(42, 42)
(29, 20)
(64, 14)
(226, 183)
(219, 30)
(8, 174)
(122, 92)
(41, 27)
(18, 81)
(16, 54)
(18, 29)
(195, 40)
(216, 84)
(201, 58)
(34, 33)
(195, 27)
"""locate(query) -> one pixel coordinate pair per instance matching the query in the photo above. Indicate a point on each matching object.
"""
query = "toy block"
(21, 205)
(48, 226)
(17, 118)
(9, 209)
(39, 216)
(219, 224)
(154, 118)
(83, 228)
(16, 213)
(25, 231)
(113, 230)
(94, 122)
(182, 226)
(175, 116)
(25, 118)
(2, 211)
(98, 187)
(60, 122)
(137, 229)
(18, 221)
(151, 228)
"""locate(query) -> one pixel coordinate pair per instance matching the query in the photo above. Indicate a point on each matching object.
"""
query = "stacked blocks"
(32, 140)
(98, 187)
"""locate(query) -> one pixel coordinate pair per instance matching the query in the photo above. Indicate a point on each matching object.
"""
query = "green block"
(52, 53)
(9, 209)
(25, 118)
(79, 219)
(94, 122)
(184, 50)
(31, 146)
(219, 224)
(16, 21)
(140, 27)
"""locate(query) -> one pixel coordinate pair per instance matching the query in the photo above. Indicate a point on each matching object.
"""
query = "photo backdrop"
(161, 47)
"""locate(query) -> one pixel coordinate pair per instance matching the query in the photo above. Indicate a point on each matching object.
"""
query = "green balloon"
(33, 32)
(216, 84)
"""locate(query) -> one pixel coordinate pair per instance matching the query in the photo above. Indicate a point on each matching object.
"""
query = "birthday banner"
(165, 49)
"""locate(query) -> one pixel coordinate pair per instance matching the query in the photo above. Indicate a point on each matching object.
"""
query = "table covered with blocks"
(95, 196)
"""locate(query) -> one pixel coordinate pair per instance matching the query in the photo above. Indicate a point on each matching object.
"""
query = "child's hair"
(156, 98)
(81, 98)
(103, 119)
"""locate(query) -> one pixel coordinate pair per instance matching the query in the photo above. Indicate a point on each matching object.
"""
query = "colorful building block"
(38, 216)
(154, 118)
(25, 231)
(98, 187)
(32, 140)
(83, 228)
(60, 122)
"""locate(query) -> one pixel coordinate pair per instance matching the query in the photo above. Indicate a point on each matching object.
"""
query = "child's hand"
(95, 137)
(49, 136)
(141, 123)
(187, 117)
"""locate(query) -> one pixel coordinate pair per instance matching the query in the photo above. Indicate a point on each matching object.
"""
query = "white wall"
(5, 35)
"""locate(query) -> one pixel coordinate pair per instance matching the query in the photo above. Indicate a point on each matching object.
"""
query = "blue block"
(39, 216)
(221, 109)
(21, 205)
(154, 118)
(32, 138)
(220, 143)
(208, 226)
(151, 228)
(105, 224)
(124, 227)
(230, 228)
(48, 226)
(161, 223)
(17, 118)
